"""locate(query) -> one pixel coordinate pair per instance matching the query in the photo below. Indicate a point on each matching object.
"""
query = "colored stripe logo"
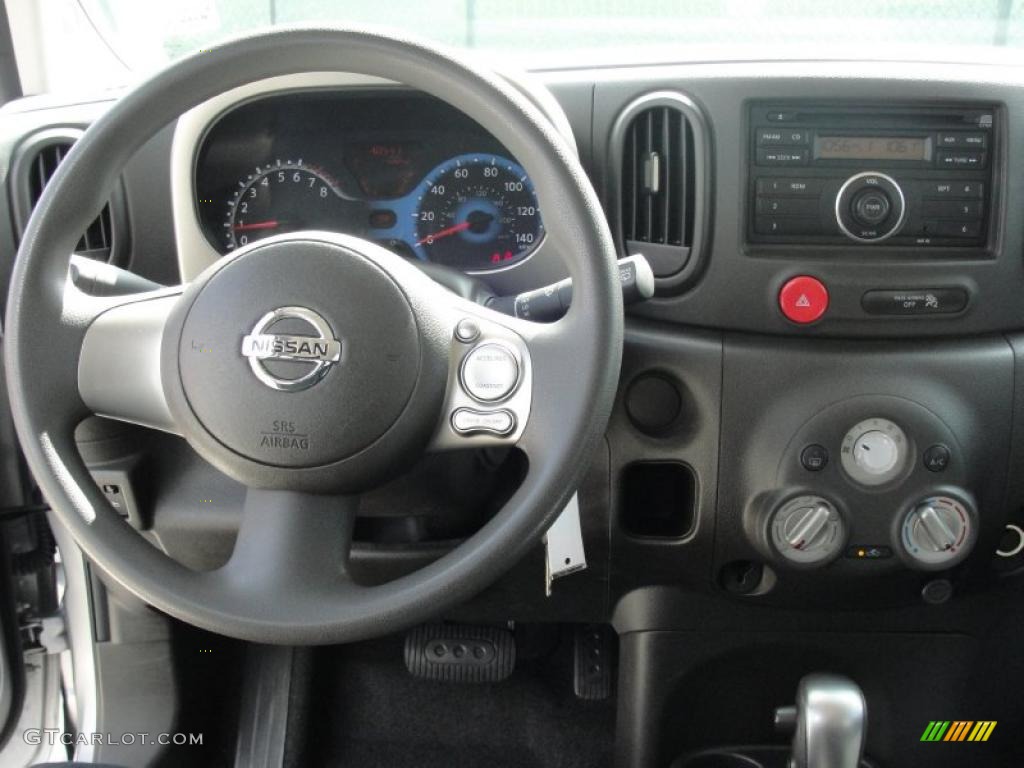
(958, 730)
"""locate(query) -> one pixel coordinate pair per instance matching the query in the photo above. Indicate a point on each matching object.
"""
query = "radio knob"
(808, 530)
(938, 532)
(870, 207)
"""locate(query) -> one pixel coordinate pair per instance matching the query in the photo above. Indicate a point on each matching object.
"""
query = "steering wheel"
(311, 366)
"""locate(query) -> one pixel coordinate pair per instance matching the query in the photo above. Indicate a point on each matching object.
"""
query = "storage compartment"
(658, 499)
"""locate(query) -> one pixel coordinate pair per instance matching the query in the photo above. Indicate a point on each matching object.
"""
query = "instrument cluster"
(404, 170)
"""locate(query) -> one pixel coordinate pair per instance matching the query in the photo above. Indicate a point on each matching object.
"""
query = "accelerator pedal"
(594, 649)
(460, 653)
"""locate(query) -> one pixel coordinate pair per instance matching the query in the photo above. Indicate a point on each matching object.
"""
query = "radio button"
(953, 209)
(965, 189)
(781, 137)
(786, 225)
(871, 207)
(782, 156)
(953, 228)
(961, 159)
(923, 301)
(787, 206)
(790, 187)
(965, 140)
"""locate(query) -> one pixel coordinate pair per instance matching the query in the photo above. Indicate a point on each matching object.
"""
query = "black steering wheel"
(311, 366)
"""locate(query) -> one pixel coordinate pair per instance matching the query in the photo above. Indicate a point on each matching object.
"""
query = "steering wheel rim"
(297, 536)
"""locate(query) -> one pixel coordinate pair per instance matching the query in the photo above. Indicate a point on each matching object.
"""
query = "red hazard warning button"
(803, 299)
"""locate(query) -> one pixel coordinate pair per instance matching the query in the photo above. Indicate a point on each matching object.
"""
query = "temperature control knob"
(808, 530)
(874, 452)
(938, 532)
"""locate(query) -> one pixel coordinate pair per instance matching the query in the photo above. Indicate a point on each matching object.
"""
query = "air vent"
(34, 166)
(657, 187)
(660, 139)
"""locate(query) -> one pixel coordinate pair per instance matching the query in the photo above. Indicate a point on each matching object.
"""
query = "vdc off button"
(919, 301)
(490, 372)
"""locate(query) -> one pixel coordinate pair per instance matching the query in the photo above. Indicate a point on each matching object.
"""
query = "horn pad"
(299, 353)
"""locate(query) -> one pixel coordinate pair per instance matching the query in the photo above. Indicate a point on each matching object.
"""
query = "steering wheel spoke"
(292, 546)
(119, 368)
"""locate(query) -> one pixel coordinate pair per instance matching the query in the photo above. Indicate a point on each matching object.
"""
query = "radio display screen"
(872, 148)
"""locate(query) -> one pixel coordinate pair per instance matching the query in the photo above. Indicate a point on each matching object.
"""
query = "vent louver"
(657, 189)
(98, 239)
(34, 165)
(662, 169)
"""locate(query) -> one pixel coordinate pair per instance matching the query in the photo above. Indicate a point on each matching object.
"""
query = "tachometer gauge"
(477, 213)
(283, 197)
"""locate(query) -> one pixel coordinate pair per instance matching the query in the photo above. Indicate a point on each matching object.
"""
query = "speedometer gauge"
(282, 197)
(477, 213)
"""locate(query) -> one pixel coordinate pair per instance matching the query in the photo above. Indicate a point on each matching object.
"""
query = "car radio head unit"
(836, 175)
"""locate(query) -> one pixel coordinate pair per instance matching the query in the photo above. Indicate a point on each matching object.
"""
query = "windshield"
(64, 44)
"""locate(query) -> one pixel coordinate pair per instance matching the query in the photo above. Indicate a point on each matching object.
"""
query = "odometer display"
(477, 213)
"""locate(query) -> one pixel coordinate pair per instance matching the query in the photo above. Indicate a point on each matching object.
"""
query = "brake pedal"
(592, 662)
(460, 653)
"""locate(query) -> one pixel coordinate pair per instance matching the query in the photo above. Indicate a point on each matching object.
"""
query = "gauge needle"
(273, 224)
(445, 232)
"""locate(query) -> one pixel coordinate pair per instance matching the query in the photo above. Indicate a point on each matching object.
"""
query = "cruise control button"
(490, 372)
(803, 299)
(466, 421)
(467, 330)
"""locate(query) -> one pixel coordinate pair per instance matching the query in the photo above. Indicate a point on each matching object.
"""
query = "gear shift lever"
(830, 718)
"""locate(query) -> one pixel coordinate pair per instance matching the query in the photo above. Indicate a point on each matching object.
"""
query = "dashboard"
(835, 245)
(404, 170)
(820, 416)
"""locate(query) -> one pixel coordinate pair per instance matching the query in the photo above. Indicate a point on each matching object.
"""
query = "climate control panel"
(883, 486)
